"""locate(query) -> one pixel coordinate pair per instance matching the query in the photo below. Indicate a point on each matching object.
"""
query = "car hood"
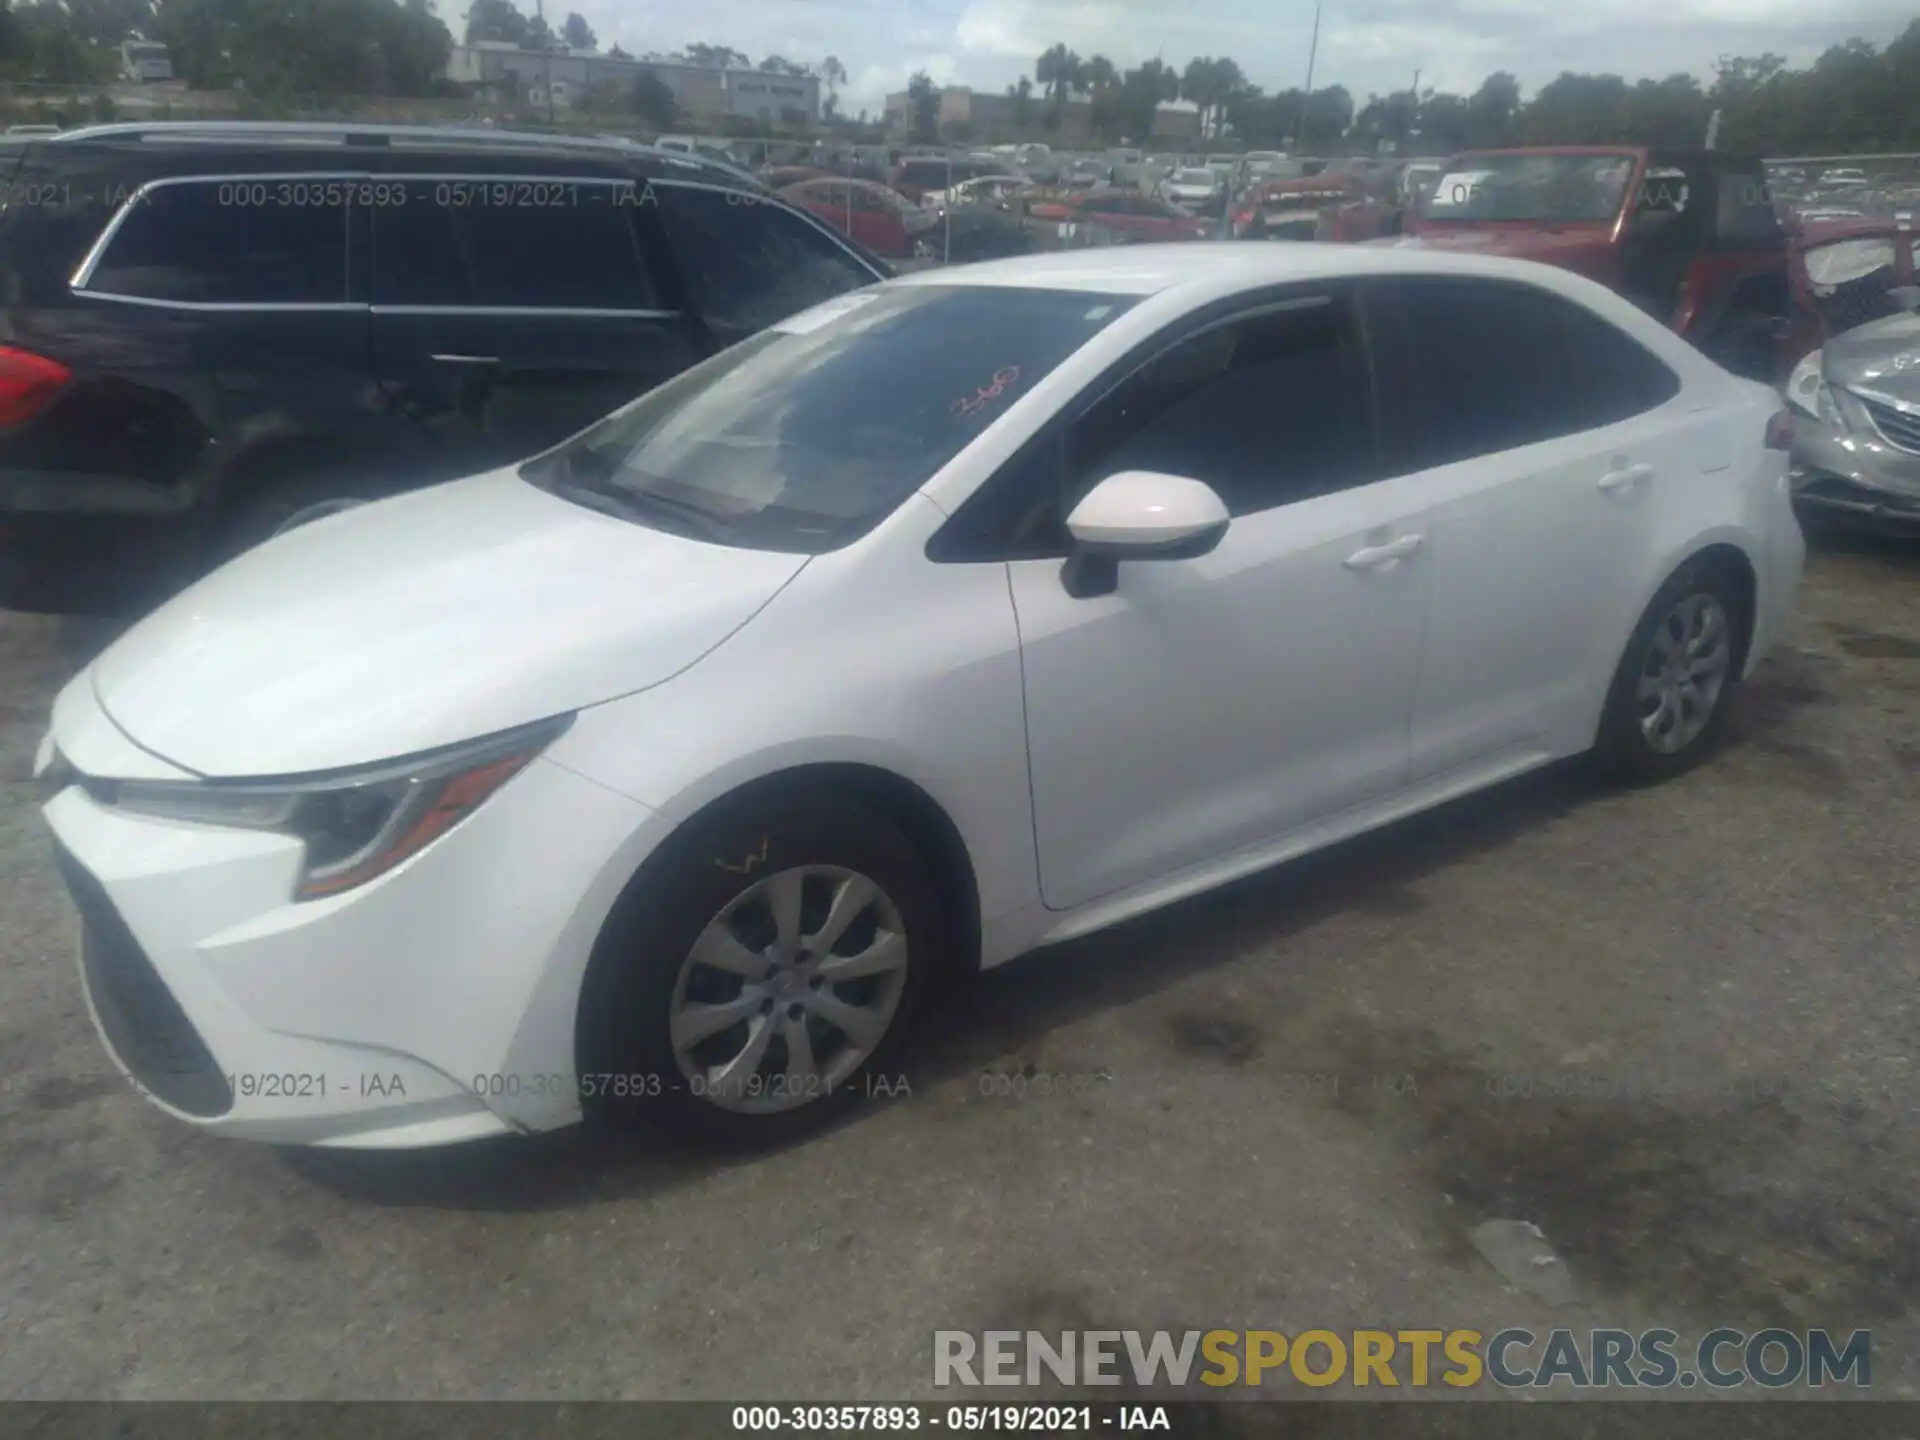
(420, 621)
(1882, 355)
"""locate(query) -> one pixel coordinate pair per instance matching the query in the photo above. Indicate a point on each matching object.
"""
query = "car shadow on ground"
(988, 1017)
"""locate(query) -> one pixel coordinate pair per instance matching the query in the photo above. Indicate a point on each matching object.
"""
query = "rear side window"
(228, 242)
(747, 263)
(1615, 376)
(1745, 212)
(1470, 368)
(578, 255)
(416, 257)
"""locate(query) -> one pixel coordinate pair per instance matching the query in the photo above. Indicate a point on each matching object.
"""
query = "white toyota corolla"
(974, 611)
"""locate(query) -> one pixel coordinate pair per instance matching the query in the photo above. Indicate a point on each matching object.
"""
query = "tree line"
(1855, 97)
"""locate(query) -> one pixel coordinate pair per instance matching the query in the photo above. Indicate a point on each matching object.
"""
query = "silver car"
(1856, 403)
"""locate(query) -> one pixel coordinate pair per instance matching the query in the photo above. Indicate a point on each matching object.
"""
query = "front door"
(1211, 704)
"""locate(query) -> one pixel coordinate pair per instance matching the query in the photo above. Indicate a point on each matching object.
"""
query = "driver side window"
(1269, 410)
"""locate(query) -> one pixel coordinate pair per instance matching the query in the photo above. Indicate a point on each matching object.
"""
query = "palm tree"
(1059, 71)
(1099, 73)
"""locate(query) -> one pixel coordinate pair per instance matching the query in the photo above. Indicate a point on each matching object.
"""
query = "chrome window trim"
(510, 311)
(83, 277)
(230, 307)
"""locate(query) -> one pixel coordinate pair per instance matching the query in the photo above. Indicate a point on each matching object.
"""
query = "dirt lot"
(1294, 1101)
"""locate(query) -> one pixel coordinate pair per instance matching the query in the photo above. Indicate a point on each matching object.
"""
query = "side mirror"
(1139, 515)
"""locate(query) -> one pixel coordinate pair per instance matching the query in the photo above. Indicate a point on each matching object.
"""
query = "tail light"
(27, 383)
(1780, 431)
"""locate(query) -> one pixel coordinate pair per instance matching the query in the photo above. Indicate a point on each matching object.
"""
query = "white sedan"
(667, 772)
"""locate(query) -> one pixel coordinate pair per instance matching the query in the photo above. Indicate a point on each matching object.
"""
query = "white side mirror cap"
(1142, 513)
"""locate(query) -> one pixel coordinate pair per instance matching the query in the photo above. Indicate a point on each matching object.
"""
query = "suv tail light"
(1780, 431)
(27, 383)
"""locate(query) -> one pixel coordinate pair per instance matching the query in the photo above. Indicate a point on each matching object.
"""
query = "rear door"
(1543, 438)
(511, 312)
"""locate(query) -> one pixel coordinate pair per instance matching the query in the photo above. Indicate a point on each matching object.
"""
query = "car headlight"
(1803, 387)
(355, 824)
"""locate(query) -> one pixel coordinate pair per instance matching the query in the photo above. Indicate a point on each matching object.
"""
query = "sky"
(1370, 46)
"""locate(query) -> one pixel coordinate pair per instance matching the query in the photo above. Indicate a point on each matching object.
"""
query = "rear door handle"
(466, 359)
(1374, 557)
(1625, 478)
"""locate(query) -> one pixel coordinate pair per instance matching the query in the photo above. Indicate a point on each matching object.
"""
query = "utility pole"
(1306, 99)
(540, 11)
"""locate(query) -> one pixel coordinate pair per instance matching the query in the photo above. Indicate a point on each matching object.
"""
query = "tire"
(1633, 744)
(726, 874)
(271, 507)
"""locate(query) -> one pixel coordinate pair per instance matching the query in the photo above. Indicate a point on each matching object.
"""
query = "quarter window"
(229, 242)
(748, 263)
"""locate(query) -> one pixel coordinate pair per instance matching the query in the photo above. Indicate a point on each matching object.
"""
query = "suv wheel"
(752, 987)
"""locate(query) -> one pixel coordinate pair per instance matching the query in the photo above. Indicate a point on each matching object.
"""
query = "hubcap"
(788, 990)
(1686, 668)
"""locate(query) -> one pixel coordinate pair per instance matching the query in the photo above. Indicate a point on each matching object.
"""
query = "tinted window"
(228, 242)
(417, 258)
(747, 265)
(1471, 367)
(803, 439)
(1615, 376)
(1745, 211)
(574, 256)
(1268, 411)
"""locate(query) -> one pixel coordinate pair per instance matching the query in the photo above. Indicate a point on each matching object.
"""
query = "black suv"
(210, 331)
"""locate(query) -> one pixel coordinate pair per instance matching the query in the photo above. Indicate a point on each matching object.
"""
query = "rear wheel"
(761, 980)
(1670, 696)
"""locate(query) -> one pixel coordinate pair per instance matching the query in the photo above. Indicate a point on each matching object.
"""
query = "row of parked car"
(217, 332)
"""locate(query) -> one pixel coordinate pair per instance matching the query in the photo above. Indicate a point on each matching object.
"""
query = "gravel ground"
(1295, 1100)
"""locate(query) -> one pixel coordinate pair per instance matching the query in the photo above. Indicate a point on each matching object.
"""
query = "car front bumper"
(1846, 474)
(432, 1005)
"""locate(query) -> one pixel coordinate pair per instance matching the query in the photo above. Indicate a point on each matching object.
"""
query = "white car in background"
(666, 772)
(1192, 188)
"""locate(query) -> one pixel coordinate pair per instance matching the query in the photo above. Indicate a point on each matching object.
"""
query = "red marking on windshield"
(1002, 378)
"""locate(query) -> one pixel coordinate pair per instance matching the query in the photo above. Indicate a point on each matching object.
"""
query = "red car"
(1690, 236)
(1126, 217)
(883, 220)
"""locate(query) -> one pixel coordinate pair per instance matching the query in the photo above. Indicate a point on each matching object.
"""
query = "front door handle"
(467, 359)
(1624, 478)
(1376, 557)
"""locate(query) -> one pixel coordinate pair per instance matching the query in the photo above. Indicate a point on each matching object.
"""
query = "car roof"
(1213, 265)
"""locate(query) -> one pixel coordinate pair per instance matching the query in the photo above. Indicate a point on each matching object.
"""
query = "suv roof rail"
(342, 132)
(354, 134)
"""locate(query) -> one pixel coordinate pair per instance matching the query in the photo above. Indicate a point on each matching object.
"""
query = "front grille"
(142, 1021)
(1898, 428)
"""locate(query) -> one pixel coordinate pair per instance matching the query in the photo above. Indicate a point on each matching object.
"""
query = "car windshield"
(805, 436)
(1550, 187)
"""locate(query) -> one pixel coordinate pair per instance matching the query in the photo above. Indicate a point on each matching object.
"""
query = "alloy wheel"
(1687, 663)
(788, 990)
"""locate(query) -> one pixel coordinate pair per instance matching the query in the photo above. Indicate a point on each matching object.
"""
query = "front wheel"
(761, 981)
(1670, 696)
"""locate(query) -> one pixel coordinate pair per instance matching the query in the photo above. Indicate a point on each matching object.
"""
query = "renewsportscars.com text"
(1512, 1359)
